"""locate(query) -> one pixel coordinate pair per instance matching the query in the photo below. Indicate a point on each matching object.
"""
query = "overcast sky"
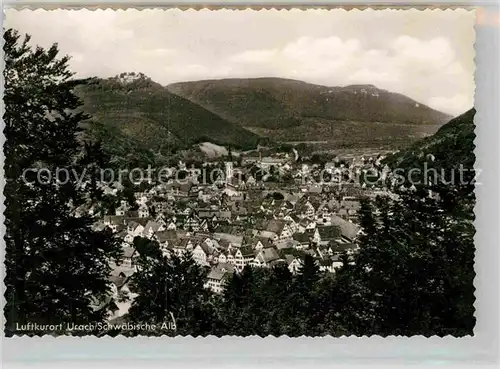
(427, 55)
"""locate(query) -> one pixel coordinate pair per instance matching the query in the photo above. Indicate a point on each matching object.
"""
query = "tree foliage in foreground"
(56, 263)
(169, 286)
(415, 269)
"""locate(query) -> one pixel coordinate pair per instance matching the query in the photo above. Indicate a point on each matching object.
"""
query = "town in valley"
(258, 211)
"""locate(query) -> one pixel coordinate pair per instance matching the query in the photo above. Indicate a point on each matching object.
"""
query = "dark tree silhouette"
(56, 263)
(169, 285)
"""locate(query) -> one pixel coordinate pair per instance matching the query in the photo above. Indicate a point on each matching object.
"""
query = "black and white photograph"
(239, 172)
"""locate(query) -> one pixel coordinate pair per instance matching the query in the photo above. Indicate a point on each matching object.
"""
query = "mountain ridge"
(135, 116)
(290, 92)
(293, 110)
(138, 119)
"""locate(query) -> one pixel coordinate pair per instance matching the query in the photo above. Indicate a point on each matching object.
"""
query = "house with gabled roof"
(305, 209)
(151, 228)
(203, 253)
(286, 244)
(263, 243)
(340, 246)
(294, 263)
(127, 237)
(243, 256)
(170, 225)
(222, 258)
(178, 189)
(275, 229)
(228, 256)
(183, 246)
(250, 182)
(348, 230)
(166, 238)
(330, 167)
(303, 240)
(129, 257)
(135, 229)
(216, 279)
(350, 203)
(256, 243)
(120, 275)
(122, 209)
(234, 240)
(330, 264)
(293, 220)
(161, 206)
(323, 235)
(266, 257)
(192, 223)
(113, 221)
(287, 206)
(306, 224)
(143, 211)
(286, 233)
(205, 212)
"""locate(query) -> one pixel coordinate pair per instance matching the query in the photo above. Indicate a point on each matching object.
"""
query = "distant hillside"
(450, 147)
(139, 120)
(452, 144)
(291, 110)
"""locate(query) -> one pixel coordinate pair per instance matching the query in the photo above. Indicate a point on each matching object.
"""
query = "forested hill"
(291, 110)
(452, 145)
(138, 119)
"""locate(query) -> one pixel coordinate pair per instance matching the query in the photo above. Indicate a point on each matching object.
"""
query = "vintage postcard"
(239, 172)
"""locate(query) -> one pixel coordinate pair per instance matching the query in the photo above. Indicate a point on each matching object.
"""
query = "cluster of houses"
(227, 225)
